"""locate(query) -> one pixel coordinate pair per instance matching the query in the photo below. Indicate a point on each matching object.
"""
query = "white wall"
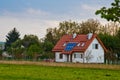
(97, 55)
(78, 57)
(57, 58)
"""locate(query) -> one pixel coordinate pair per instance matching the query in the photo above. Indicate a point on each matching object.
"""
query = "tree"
(1, 53)
(68, 27)
(32, 46)
(65, 27)
(17, 49)
(89, 26)
(34, 51)
(49, 36)
(118, 33)
(109, 28)
(12, 36)
(112, 43)
(112, 13)
(48, 46)
(29, 40)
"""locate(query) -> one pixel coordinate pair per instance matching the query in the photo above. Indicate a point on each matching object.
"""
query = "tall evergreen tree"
(12, 36)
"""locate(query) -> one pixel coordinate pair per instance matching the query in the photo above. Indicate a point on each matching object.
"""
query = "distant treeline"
(30, 47)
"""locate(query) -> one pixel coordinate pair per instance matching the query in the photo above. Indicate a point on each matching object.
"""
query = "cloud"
(88, 8)
(36, 12)
(27, 13)
(25, 23)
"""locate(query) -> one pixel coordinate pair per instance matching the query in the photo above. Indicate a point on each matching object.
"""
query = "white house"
(80, 48)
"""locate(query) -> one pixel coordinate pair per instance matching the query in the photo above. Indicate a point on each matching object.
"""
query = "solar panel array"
(70, 46)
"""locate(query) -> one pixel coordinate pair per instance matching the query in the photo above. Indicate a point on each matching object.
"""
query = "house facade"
(80, 48)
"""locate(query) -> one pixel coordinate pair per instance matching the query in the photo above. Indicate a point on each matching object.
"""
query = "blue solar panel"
(70, 46)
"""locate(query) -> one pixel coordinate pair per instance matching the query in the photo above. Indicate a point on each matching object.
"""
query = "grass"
(42, 71)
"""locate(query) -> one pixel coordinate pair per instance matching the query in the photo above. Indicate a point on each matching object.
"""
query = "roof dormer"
(74, 35)
(89, 35)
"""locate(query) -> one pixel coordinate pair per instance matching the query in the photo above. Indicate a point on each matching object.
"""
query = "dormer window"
(82, 44)
(64, 44)
(78, 44)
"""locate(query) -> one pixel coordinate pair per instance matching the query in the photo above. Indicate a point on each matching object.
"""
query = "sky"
(35, 16)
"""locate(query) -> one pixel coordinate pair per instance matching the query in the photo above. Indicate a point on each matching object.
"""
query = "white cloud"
(25, 26)
(28, 13)
(36, 12)
(88, 8)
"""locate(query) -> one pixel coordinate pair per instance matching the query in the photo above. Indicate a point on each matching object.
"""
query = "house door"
(70, 57)
(67, 57)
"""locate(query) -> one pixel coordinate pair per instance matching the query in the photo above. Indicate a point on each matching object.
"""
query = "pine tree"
(12, 36)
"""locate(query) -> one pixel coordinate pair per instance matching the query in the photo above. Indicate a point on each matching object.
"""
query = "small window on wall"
(74, 55)
(95, 46)
(81, 55)
(61, 56)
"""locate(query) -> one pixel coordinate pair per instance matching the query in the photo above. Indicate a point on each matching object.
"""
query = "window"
(78, 44)
(81, 55)
(74, 55)
(61, 56)
(64, 44)
(95, 46)
(82, 44)
(78, 55)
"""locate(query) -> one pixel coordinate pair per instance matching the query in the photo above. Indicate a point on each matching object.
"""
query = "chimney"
(74, 35)
(89, 35)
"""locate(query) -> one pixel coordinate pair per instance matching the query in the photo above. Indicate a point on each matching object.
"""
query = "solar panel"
(70, 46)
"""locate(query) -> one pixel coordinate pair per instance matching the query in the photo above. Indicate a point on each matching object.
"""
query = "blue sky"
(35, 16)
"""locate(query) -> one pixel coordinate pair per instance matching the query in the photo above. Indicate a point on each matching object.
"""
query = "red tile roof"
(82, 39)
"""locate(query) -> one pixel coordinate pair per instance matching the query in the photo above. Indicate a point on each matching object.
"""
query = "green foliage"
(48, 46)
(29, 40)
(112, 43)
(35, 72)
(112, 13)
(17, 44)
(12, 36)
(47, 55)
(49, 36)
(16, 49)
(33, 49)
(1, 51)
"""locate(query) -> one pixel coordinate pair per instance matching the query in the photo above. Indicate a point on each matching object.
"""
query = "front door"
(67, 57)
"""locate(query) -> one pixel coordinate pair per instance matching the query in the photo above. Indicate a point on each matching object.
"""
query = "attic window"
(95, 46)
(64, 44)
(78, 44)
(82, 44)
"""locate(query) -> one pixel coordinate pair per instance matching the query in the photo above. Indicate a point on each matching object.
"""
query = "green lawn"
(37, 72)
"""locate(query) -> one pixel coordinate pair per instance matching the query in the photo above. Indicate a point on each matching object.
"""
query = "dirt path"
(75, 65)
